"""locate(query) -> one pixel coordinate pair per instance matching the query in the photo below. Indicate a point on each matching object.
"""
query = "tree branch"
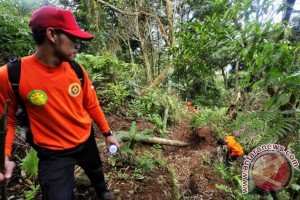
(160, 24)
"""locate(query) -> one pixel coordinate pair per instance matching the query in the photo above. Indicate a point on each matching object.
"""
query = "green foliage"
(208, 91)
(253, 40)
(15, 37)
(216, 119)
(222, 170)
(30, 164)
(112, 79)
(144, 161)
(114, 96)
(126, 154)
(122, 175)
(108, 67)
(283, 195)
(206, 159)
(177, 109)
(224, 188)
(157, 121)
(294, 187)
(294, 146)
(206, 46)
(232, 175)
(176, 185)
(138, 174)
(236, 193)
(151, 103)
(151, 106)
(30, 194)
(157, 160)
(262, 127)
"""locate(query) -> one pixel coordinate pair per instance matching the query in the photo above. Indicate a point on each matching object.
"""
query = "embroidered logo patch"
(37, 98)
(74, 89)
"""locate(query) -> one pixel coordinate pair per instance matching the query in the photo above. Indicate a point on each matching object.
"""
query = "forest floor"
(195, 179)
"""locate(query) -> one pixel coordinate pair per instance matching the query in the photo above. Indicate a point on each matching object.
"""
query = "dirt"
(195, 178)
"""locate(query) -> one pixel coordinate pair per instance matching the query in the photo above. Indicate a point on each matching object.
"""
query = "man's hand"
(9, 167)
(111, 140)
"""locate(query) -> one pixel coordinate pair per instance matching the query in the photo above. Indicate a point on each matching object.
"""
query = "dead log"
(155, 140)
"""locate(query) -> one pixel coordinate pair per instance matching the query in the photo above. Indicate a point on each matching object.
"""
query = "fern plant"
(233, 176)
(30, 164)
(221, 169)
(157, 121)
(144, 161)
(150, 103)
(262, 127)
(30, 194)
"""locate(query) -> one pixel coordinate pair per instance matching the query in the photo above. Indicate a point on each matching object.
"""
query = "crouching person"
(235, 150)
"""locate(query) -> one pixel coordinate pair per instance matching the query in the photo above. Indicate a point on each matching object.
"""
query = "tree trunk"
(159, 79)
(130, 51)
(288, 11)
(236, 78)
(142, 43)
(167, 39)
(94, 16)
(170, 22)
(167, 107)
(224, 74)
(287, 15)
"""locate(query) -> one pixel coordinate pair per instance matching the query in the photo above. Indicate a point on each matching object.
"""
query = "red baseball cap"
(57, 18)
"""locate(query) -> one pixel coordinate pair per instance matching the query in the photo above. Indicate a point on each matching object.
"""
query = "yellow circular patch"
(37, 98)
(74, 89)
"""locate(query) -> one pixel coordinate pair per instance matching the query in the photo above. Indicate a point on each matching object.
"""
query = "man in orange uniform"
(235, 149)
(190, 107)
(59, 108)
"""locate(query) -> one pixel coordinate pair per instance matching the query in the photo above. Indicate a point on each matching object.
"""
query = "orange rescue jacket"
(235, 148)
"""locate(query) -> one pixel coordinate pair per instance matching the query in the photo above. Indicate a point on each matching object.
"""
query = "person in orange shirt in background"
(235, 148)
(190, 107)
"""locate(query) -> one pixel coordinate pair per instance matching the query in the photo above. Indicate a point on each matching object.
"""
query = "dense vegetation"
(238, 61)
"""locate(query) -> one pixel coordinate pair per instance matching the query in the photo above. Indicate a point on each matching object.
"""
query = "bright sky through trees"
(277, 3)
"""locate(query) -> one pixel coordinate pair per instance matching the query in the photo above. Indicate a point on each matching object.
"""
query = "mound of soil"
(197, 180)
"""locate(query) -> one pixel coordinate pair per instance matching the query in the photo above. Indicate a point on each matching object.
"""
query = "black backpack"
(14, 74)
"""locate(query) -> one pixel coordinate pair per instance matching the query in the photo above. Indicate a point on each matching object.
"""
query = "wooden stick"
(3, 131)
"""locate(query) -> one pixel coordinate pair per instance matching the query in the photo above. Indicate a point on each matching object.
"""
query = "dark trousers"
(56, 170)
(230, 158)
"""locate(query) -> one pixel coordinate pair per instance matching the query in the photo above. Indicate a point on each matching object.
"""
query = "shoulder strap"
(14, 74)
(78, 70)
